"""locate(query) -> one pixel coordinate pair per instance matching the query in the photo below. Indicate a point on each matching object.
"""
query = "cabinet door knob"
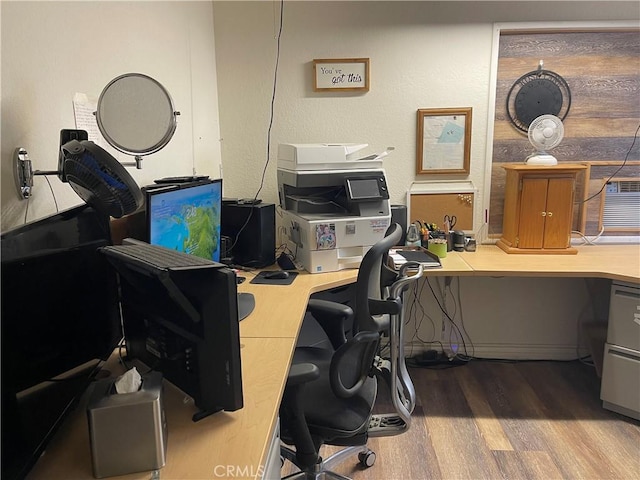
(544, 214)
(549, 214)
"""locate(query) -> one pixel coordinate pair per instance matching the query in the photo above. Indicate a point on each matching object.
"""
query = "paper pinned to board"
(84, 109)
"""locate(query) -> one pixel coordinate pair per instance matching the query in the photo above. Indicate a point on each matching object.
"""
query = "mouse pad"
(274, 281)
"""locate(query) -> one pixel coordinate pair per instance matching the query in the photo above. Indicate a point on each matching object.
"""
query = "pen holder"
(438, 246)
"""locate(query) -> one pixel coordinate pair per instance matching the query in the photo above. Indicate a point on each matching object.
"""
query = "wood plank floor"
(506, 420)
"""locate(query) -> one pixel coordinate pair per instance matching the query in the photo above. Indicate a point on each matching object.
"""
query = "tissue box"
(127, 431)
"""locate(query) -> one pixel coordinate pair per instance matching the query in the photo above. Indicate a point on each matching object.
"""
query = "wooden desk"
(194, 449)
(615, 262)
(241, 439)
(227, 439)
(280, 309)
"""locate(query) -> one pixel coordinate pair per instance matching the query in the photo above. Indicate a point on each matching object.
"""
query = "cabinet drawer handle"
(623, 293)
(617, 353)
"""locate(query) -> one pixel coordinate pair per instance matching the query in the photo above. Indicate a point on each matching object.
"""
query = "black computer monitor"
(60, 320)
(186, 217)
(181, 318)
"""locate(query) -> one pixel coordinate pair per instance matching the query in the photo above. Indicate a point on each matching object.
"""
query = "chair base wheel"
(367, 459)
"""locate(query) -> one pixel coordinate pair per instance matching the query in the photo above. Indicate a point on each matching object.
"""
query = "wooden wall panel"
(603, 73)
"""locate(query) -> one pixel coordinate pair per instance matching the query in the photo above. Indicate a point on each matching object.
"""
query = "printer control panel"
(370, 187)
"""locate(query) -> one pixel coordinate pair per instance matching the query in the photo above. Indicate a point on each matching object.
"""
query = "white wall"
(51, 50)
(423, 55)
(509, 317)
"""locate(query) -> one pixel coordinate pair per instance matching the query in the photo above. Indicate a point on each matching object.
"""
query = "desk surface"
(284, 305)
(268, 337)
(194, 449)
(615, 262)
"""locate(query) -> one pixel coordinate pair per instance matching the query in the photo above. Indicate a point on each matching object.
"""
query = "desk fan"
(545, 132)
(96, 176)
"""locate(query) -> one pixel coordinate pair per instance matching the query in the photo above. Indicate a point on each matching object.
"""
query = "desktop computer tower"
(255, 245)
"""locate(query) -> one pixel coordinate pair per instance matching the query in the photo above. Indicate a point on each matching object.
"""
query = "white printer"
(334, 207)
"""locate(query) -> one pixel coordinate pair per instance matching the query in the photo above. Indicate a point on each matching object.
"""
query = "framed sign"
(344, 74)
(444, 140)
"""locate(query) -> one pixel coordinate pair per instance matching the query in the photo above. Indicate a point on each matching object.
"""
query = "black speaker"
(399, 216)
(255, 245)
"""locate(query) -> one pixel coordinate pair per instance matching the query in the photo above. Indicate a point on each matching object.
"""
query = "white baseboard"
(508, 351)
(607, 240)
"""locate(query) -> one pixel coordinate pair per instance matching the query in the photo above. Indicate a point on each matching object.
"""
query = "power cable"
(271, 115)
(624, 162)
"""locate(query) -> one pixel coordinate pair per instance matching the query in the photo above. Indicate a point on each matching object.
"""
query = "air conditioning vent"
(623, 186)
(621, 210)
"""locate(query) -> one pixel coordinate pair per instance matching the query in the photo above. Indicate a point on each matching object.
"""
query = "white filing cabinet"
(620, 390)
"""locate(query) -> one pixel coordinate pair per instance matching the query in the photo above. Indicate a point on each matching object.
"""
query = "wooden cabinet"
(538, 208)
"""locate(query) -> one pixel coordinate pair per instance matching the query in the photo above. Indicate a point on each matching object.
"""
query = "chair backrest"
(371, 312)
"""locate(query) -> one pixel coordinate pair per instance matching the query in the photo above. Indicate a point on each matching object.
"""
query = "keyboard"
(157, 256)
(154, 257)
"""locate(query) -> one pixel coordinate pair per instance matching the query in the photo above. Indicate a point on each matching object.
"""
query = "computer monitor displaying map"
(186, 217)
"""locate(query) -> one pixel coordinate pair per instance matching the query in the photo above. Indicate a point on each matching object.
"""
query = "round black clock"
(539, 92)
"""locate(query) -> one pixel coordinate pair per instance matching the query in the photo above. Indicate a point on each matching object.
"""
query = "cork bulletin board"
(429, 203)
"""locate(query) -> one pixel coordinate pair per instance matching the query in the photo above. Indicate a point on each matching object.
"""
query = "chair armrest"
(352, 364)
(332, 317)
(292, 413)
(327, 307)
(392, 306)
(300, 373)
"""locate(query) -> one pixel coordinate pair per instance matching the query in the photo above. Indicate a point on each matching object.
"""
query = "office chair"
(330, 392)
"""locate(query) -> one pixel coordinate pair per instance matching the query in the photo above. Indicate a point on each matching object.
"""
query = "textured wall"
(51, 50)
(423, 55)
(414, 65)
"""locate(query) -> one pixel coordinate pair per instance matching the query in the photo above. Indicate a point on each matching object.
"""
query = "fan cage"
(539, 124)
(100, 186)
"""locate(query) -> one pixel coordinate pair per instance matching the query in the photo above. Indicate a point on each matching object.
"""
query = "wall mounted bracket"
(23, 173)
